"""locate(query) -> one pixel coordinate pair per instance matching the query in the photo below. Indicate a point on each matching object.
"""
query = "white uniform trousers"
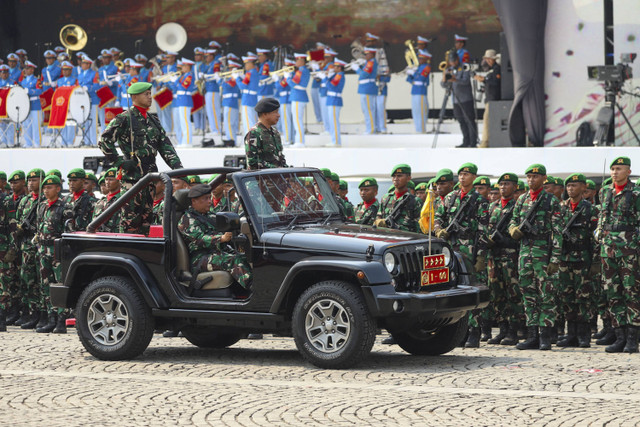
(249, 118)
(286, 126)
(32, 129)
(213, 109)
(420, 112)
(326, 121)
(381, 113)
(334, 117)
(231, 118)
(183, 118)
(166, 118)
(315, 99)
(297, 115)
(368, 104)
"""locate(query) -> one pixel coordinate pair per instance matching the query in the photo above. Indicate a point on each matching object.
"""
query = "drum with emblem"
(79, 105)
(18, 104)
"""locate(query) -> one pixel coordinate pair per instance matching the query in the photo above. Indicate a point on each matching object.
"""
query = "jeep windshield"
(287, 199)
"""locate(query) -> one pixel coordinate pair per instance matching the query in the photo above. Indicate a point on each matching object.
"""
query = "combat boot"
(593, 325)
(523, 331)
(606, 325)
(473, 340)
(44, 319)
(51, 324)
(485, 328)
(532, 342)
(504, 327)
(632, 339)
(584, 335)
(545, 337)
(13, 314)
(512, 335)
(3, 320)
(608, 338)
(559, 326)
(24, 317)
(618, 344)
(32, 321)
(61, 324)
(571, 339)
(553, 334)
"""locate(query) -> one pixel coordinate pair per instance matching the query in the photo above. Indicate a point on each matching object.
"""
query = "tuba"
(171, 37)
(410, 55)
(73, 37)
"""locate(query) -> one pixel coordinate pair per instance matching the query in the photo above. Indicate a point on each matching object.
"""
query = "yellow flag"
(427, 213)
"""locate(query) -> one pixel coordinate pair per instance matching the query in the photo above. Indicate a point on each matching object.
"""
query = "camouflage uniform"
(366, 215)
(537, 251)
(113, 224)
(348, 209)
(52, 217)
(29, 267)
(264, 148)
(82, 208)
(206, 252)
(149, 139)
(6, 251)
(10, 278)
(409, 214)
(157, 212)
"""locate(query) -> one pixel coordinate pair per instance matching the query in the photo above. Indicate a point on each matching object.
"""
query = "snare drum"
(18, 104)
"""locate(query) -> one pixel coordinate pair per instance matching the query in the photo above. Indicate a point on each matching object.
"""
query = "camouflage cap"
(401, 168)
(77, 173)
(411, 185)
(16, 176)
(199, 190)
(421, 187)
(576, 177)
(343, 185)
(335, 177)
(92, 177)
(620, 161)
(193, 179)
(111, 173)
(536, 168)
(508, 176)
(591, 185)
(138, 88)
(326, 172)
(482, 180)
(3, 175)
(444, 175)
(36, 173)
(468, 167)
(51, 180)
(368, 182)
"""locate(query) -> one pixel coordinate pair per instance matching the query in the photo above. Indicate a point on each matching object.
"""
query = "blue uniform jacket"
(367, 78)
(90, 81)
(335, 85)
(230, 93)
(183, 89)
(249, 87)
(34, 89)
(420, 80)
(50, 74)
(269, 88)
(299, 81)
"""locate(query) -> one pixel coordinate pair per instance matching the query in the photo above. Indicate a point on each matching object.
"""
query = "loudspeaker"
(506, 71)
(499, 123)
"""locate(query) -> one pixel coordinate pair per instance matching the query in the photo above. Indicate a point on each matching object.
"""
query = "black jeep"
(328, 283)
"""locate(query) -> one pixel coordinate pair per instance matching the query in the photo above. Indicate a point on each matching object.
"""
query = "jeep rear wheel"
(332, 326)
(113, 320)
(210, 337)
(423, 342)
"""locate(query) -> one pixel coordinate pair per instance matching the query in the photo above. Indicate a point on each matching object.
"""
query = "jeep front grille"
(409, 272)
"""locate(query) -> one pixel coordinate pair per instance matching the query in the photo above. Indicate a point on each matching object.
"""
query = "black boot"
(3, 320)
(584, 335)
(24, 317)
(571, 339)
(51, 324)
(32, 321)
(61, 324)
(473, 341)
(389, 340)
(512, 335)
(593, 325)
(608, 338)
(13, 314)
(545, 337)
(632, 339)
(485, 328)
(523, 331)
(606, 326)
(553, 334)
(532, 342)
(618, 344)
(504, 327)
(170, 333)
(44, 319)
(559, 326)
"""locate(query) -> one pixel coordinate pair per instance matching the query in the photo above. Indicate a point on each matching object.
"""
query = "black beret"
(199, 190)
(267, 105)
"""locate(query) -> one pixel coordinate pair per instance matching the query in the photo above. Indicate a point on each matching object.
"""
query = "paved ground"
(50, 380)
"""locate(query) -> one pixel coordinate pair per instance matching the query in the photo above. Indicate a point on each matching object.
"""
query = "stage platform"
(365, 155)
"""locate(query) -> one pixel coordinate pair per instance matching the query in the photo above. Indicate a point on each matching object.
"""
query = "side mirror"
(227, 221)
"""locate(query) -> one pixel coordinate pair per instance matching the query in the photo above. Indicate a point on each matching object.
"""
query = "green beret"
(558, 181)
(576, 177)
(607, 181)
(368, 182)
(211, 178)
(193, 179)
(57, 173)
(526, 187)
(482, 180)
(521, 185)
(343, 185)
(77, 173)
(111, 173)
(3, 175)
(326, 172)
(16, 176)
(92, 177)
(401, 168)
(51, 180)
(508, 176)
(411, 185)
(335, 177)
(421, 187)
(138, 88)
(7, 187)
(36, 173)
(444, 175)
(391, 189)
(550, 180)
(469, 167)
(624, 161)
(591, 185)
(495, 187)
(199, 190)
(456, 186)
(637, 183)
(101, 180)
(536, 168)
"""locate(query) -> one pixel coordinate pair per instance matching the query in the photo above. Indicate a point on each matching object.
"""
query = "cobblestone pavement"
(50, 380)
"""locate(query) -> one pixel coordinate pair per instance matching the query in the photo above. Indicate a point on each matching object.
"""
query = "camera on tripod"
(615, 74)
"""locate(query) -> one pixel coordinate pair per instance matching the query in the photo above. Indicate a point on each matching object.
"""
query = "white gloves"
(174, 79)
(411, 71)
(275, 77)
(321, 75)
(116, 104)
(361, 61)
(355, 67)
(286, 75)
(314, 66)
(200, 76)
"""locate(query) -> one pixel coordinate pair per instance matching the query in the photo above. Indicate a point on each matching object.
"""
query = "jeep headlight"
(390, 261)
(447, 254)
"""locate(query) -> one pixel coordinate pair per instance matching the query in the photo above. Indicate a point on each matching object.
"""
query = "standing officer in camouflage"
(618, 229)
(367, 210)
(503, 264)
(462, 219)
(537, 223)
(52, 213)
(400, 209)
(113, 194)
(80, 201)
(579, 262)
(140, 137)
(444, 186)
(262, 143)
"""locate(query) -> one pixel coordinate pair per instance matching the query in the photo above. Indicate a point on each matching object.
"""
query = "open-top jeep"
(328, 283)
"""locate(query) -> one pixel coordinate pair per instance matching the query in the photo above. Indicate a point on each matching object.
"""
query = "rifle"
(526, 226)
(28, 227)
(454, 226)
(498, 234)
(394, 215)
(79, 211)
(566, 232)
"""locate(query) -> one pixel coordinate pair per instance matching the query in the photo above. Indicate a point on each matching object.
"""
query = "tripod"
(606, 115)
(448, 92)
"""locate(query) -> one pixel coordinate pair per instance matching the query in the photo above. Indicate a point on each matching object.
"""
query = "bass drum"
(79, 105)
(18, 104)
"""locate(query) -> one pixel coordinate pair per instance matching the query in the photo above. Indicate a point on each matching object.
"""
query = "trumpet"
(359, 61)
(230, 73)
(118, 76)
(167, 77)
(283, 71)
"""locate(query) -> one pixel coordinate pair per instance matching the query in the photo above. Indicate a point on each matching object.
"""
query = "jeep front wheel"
(332, 326)
(423, 342)
(112, 319)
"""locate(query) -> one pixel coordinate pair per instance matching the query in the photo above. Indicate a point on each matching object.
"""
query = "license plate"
(433, 261)
(435, 276)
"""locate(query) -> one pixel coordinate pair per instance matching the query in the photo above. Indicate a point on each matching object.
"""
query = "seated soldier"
(208, 249)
